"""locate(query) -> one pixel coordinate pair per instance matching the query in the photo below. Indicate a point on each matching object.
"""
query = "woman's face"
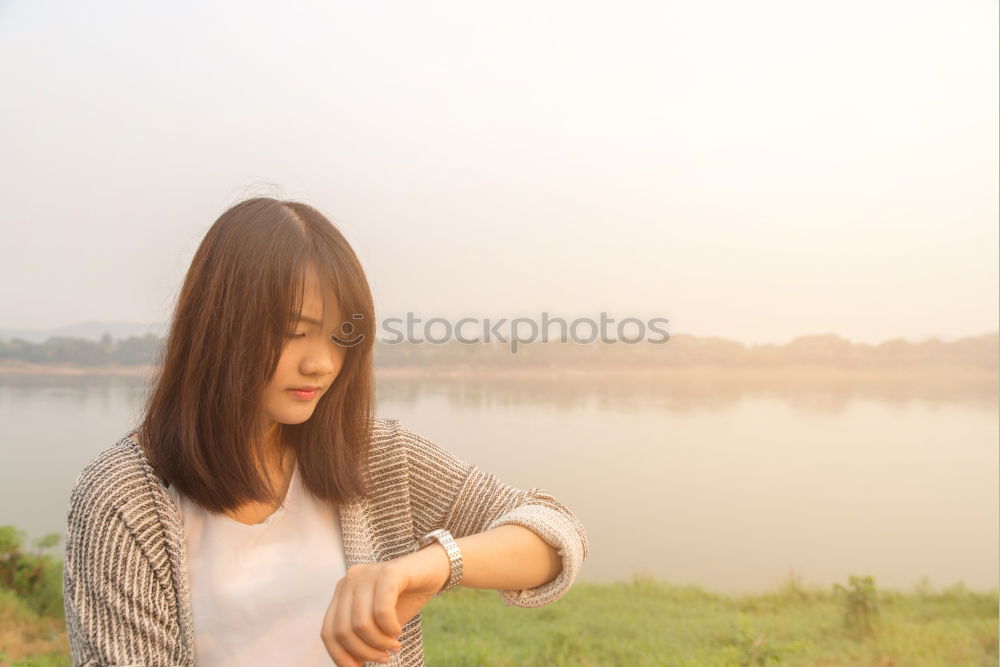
(310, 359)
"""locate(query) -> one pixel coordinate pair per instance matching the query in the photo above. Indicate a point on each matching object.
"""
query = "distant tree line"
(975, 352)
(132, 351)
(978, 352)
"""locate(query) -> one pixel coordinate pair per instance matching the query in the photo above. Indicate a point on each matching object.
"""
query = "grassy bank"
(646, 622)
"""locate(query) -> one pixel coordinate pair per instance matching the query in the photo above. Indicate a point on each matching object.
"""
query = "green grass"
(647, 622)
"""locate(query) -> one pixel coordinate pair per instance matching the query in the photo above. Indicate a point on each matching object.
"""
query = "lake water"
(733, 486)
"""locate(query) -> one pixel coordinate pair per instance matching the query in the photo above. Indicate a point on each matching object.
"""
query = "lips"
(304, 393)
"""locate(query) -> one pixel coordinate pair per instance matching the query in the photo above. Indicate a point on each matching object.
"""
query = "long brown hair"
(201, 429)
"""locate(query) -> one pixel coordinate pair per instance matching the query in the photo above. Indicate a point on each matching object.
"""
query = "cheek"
(279, 380)
(339, 362)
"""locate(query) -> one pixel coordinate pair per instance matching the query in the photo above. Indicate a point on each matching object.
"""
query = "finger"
(344, 632)
(363, 620)
(341, 658)
(337, 652)
(386, 597)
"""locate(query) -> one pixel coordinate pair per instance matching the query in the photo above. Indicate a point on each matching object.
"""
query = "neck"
(277, 452)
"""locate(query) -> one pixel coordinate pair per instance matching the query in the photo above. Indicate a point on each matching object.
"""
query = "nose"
(319, 362)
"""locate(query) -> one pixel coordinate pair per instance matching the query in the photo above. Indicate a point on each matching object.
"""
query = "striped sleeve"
(447, 492)
(117, 610)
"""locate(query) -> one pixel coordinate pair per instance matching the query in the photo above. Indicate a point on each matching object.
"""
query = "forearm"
(508, 557)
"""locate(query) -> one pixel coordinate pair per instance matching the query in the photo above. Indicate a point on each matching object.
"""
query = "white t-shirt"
(259, 592)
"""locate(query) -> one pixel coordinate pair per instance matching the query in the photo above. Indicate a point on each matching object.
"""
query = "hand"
(372, 603)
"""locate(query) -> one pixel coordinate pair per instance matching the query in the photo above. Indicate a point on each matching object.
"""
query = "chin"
(292, 416)
(296, 418)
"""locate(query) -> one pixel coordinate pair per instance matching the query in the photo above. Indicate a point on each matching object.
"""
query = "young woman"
(260, 514)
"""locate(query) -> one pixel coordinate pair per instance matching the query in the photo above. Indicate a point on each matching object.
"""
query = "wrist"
(433, 559)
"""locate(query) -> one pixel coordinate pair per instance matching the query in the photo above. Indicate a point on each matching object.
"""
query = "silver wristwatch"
(454, 555)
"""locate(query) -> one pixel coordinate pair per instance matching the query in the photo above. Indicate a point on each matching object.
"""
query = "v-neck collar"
(281, 509)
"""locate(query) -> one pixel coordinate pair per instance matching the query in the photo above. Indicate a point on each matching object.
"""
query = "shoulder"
(103, 476)
(395, 444)
(391, 438)
(384, 431)
(117, 484)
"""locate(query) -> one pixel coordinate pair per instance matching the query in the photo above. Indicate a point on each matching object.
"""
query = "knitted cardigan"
(125, 580)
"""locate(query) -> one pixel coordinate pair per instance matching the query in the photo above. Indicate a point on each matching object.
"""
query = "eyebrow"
(310, 320)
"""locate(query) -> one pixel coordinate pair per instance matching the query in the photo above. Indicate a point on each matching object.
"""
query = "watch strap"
(445, 539)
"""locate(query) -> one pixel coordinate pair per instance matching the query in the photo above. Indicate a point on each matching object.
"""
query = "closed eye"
(299, 335)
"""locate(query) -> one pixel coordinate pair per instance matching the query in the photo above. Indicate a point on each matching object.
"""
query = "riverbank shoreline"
(813, 371)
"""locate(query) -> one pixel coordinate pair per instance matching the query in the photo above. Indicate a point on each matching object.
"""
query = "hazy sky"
(753, 170)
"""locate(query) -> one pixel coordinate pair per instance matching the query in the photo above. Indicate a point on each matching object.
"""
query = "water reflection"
(817, 391)
(728, 480)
